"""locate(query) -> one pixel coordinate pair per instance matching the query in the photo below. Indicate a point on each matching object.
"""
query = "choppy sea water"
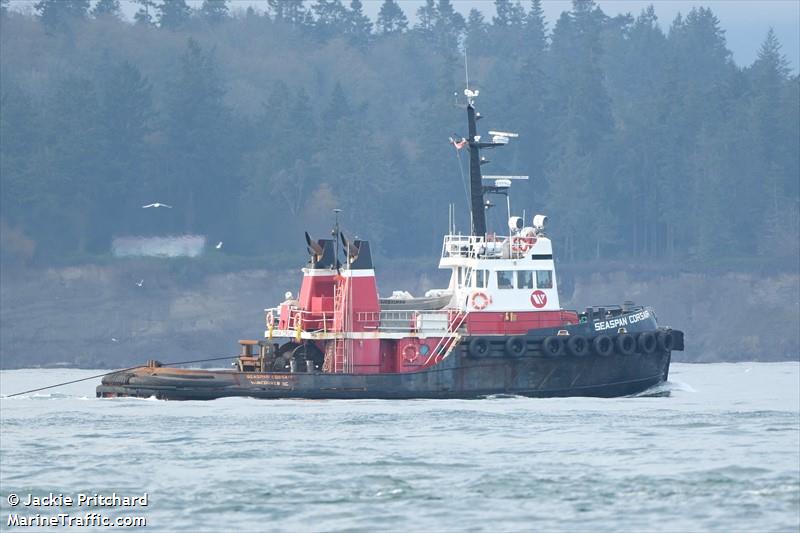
(720, 453)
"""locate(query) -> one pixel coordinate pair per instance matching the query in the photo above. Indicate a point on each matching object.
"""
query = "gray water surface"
(720, 453)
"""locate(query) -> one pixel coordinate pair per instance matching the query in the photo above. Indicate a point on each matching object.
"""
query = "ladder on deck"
(447, 344)
(341, 361)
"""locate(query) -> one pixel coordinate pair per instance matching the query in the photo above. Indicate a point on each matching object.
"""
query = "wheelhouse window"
(481, 277)
(524, 279)
(544, 279)
(460, 281)
(505, 279)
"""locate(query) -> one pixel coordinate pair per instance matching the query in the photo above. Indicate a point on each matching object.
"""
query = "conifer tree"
(477, 31)
(172, 14)
(331, 18)
(291, 12)
(508, 13)
(193, 123)
(358, 26)
(56, 14)
(448, 25)
(214, 11)
(391, 19)
(144, 15)
(107, 8)
(426, 19)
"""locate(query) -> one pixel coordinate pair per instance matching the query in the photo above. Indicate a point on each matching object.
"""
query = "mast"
(475, 183)
(477, 190)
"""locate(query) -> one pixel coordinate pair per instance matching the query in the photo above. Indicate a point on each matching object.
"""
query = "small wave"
(37, 396)
(664, 390)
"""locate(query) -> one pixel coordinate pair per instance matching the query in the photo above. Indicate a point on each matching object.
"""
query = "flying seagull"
(140, 283)
(157, 204)
(219, 245)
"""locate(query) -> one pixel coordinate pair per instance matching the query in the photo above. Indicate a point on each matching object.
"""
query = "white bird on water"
(157, 204)
(219, 245)
(140, 283)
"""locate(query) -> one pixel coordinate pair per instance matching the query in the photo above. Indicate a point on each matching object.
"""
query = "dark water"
(720, 453)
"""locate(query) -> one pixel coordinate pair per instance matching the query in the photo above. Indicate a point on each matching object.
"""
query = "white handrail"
(462, 316)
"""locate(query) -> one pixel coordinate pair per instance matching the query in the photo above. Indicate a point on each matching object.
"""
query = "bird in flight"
(140, 283)
(219, 245)
(157, 204)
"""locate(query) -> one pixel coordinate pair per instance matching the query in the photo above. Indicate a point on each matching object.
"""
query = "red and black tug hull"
(464, 374)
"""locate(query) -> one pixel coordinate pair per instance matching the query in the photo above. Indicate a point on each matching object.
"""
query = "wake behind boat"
(498, 328)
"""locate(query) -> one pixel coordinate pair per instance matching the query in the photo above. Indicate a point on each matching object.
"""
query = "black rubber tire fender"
(516, 346)
(552, 346)
(646, 342)
(577, 345)
(479, 347)
(602, 345)
(626, 344)
(665, 341)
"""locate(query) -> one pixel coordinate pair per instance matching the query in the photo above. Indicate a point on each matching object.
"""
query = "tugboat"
(498, 327)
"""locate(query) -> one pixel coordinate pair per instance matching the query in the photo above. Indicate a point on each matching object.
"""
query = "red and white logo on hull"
(538, 299)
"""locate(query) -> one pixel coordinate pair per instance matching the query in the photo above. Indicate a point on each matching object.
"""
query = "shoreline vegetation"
(643, 139)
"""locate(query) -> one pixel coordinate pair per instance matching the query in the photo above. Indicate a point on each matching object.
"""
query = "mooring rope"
(116, 371)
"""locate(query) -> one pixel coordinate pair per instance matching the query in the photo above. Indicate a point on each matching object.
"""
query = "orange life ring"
(410, 353)
(522, 244)
(480, 300)
(270, 319)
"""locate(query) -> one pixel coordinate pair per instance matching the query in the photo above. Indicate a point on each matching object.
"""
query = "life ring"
(270, 319)
(626, 344)
(522, 244)
(516, 346)
(602, 345)
(410, 353)
(646, 342)
(480, 300)
(577, 345)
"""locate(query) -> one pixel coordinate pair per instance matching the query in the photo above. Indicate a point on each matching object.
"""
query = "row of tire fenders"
(604, 345)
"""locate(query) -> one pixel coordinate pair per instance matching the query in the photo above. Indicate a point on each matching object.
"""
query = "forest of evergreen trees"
(643, 139)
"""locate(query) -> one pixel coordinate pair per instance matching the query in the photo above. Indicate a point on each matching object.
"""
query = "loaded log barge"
(498, 328)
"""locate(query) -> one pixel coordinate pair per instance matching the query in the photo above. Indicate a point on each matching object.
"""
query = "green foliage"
(57, 14)
(107, 8)
(391, 19)
(214, 11)
(477, 30)
(640, 143)
(291, 12)
(172, 14)
(144, 15)
(358, 27)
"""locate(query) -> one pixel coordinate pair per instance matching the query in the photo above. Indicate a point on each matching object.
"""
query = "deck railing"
(408, 321)
(472, 246)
